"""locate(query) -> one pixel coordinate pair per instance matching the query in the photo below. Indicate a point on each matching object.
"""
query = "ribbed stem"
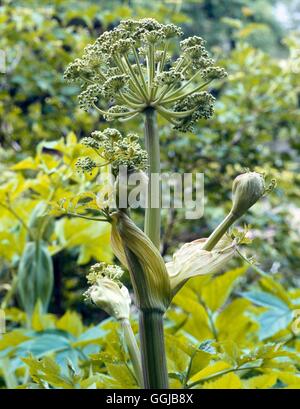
(152, 214)
(219, 232)
(154, 363)
(133, 350)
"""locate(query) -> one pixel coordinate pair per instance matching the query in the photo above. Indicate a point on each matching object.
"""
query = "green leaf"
(46, 370)
(70, 322)
(210, 371)
(228, 381)
(265, 381)
(216, 292)
(273, 321)
(265, 299)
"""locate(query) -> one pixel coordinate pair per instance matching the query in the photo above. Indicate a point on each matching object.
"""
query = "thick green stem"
(133, 350)
(219, 232)
(152, 215)
(154, 363)
(155, 374)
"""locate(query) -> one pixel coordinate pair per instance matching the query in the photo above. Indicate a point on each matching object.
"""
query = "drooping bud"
(191, 260)
(247, 189)
(107, 292)
(147, 269)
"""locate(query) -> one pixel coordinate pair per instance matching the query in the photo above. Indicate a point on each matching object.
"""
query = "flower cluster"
(107, 291)
(113, 149)
(129, 69)
(102, 270)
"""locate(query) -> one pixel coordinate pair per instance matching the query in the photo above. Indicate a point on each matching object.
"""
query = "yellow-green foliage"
(215, 339)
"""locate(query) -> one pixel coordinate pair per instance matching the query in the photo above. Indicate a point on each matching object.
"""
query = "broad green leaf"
(44, 343)
(210, 371)
(28, 163)
(13, 338)
(90, 336)
(265, 381)
(228, 381)
(216, 292)
(47, 370)
(265, 299)
(122, 375)
(273, 321)
(92, 237)
(70, 322)
(291, 381)
(177, 357)
(41, 321)
(233, 323)
(274, 287)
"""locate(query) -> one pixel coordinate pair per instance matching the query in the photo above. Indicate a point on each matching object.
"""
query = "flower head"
(107, 292)
(114, 149)
(131, 68)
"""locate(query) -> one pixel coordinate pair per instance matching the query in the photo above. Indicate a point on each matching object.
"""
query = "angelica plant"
(131, 71)
(127, 72)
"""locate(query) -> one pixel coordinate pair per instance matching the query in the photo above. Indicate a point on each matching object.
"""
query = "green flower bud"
(170, 31)
(146, 266)
(90, 142)
(247, 189)
(191, 42)
(88, 97)
(212, 73)
(115, 84)
(169, 77)
(85, 164)
(116, 109)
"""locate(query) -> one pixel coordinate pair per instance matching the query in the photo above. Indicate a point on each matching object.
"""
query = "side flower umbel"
(107, 291)
(109, 294)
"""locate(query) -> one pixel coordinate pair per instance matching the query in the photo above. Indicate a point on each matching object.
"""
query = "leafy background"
(236, 330)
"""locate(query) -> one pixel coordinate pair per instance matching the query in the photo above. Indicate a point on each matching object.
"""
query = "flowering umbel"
(114, 149)
(107, 291)
(130, 69)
